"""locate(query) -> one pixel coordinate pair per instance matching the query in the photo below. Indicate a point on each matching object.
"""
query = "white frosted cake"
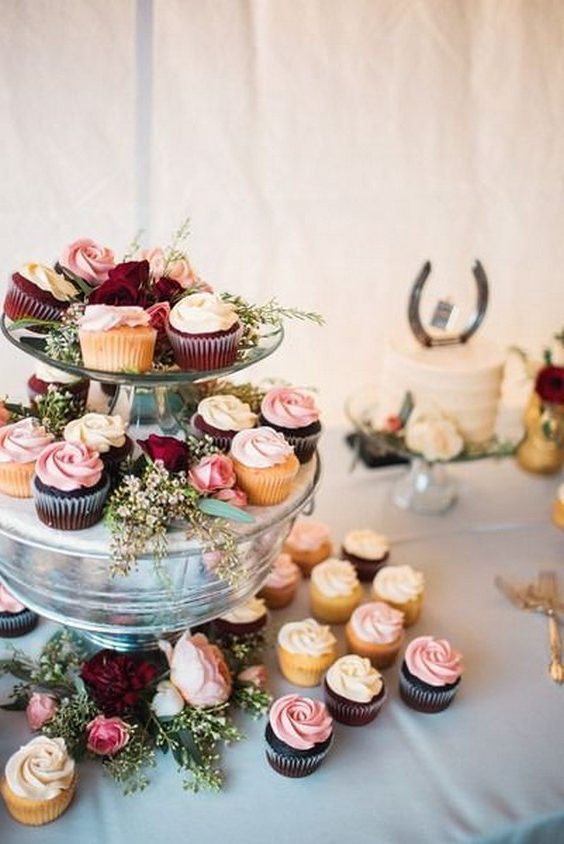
(464, 381)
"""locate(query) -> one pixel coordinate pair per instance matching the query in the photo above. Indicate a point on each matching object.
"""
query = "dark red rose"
(166, 289)
(174, 453)
(550, 384)
(115, 681)
(126, 285)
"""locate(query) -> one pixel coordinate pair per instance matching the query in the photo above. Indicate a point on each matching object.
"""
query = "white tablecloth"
(488, 769)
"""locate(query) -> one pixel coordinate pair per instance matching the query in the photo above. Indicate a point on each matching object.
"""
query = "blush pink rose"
(212, 473)
(157, 260)
(234, 496)
(88, 260)
(158, 314)
(254, 675)
(4, 414)
(107, 736)
(40, 709)
(198, 670)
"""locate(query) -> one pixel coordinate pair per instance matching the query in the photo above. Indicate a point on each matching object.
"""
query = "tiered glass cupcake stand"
(65, 576)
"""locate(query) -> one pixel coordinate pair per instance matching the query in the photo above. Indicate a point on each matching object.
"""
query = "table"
(488, 769)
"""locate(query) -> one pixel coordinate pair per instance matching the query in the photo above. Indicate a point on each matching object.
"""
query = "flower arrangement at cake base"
(123, 709)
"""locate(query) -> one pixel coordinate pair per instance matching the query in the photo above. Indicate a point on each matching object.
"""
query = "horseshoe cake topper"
(414, 315)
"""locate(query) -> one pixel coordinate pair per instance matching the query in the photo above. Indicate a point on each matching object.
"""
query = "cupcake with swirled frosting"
(39, 292)
(221, 417)
(21, 443)
(367, 550)
(39, 781)
(46, 376)
(375, 631)
(70, 486)
(104, 434)
(308, 544)
(401, 587)
(279, 588)
(430, 674)
(265, 465)
(334, 591)
(116, 338)
(15, 618)
(204, 332)
(305, 650)
(298, 735)
(294, 413)
(354, 691)
(245, 620)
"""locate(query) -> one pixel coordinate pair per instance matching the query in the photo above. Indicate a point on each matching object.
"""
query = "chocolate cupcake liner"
(294, 763)
(239, 630)
(350, 712)
(204, 351)
(18, 304)
(304, 447)
(365, 569)
(17, 624)
(423, 697)
(70, 512)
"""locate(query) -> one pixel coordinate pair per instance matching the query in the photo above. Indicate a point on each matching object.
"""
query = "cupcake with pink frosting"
(308, 544)
(204, 332)
(15, 618)
(21, 443)
(265, 465)
(116, 338)
(294, 413)
(70, 486)
(375, 631)
(39, 292)
(299, 734)
(430, 674)
(279, 588)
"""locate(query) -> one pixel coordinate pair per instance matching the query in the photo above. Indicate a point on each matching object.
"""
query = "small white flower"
(167, 700)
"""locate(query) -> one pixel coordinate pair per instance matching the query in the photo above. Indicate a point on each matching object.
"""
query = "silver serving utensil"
(514, 593)
(545, 594)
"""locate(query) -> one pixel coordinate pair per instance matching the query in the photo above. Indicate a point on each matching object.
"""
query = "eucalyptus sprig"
(253, 317)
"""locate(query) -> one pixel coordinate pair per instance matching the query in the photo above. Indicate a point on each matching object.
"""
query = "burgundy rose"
(166, 289)
(550, 384)
(126, 285)
(173, 453)
(115, 681)
(106, 736)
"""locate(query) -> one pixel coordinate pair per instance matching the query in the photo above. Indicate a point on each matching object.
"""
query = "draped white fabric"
(322, 148)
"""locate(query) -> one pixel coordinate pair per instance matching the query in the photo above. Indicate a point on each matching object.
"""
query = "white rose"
(433, 435)
(167, 700)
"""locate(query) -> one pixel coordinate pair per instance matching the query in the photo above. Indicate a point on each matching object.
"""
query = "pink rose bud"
(254, 675)
(198, 670)
(88, 260)
(234, 496)
(40, 709)
(212, 473)
(107, 736)
(393, 424)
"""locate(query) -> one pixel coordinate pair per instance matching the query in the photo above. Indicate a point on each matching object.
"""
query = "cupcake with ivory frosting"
(245, 620)
(367, 551)
(430, 674)
(204, 332)
(305, 650)
(15, 618)
(21, 443)
(293, 412)
(46, 376)
(39, 781)
(375, 631)
(401, 587)
(221, 417)
(115, 338)
(334, 591)
(279, 588)
(70, 486)
(354, 691)
(38, 292)
(102, 433)
(298, 735)
(558, 508)
(265, 465)
(308, 544)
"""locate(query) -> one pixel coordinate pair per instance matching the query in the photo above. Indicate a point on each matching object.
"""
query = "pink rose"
(4, 414)
(156, 258)
(234, 496)
(107, 736)
(88, 260)
(158, 314)
(254, 675)
(393, 424)
(198, 670)
(212, 473)
(40, 709)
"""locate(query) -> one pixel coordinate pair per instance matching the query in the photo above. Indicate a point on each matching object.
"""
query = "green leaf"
(82, 285)
(186, 739)
(17, 705)
(32, 322)
(213, 507)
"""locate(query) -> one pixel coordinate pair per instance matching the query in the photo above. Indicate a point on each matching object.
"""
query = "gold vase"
(542, 450)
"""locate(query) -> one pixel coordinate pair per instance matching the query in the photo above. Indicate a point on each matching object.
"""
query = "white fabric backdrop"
(322, 148)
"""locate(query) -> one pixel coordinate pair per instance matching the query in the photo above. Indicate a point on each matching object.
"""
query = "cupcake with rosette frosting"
(38, 292)
(279, 588)
(70, 486)
(334, 591)
(221, 417)
(265, 465)
(102, 433)
(204, 332)
(305, 650)
(401, 587)
(354, 691)
(294, 413)
(430, 674)
(116, 338)
(308, 544)
(21, 443)
(39, 781)
(375, 631)
(15, 618)
(46, 376)
(298, 735)
(245, 620)
(367, 550)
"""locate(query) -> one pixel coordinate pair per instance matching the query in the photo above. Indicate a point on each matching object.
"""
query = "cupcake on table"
(15, 618)
(21, 443)
(375, 631)
(38, 292)
(293, 412)
(367, 550)
(245, 620)
(401, 587)
(430, 674)
(334, 591)
(221, 417)
(46, 376)
(354, 691)
(204, 332)
(265, 465)
(280, 587)
(308, 544)
(305, 650)
(298, 735)
(115, 338)
(558, 508)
